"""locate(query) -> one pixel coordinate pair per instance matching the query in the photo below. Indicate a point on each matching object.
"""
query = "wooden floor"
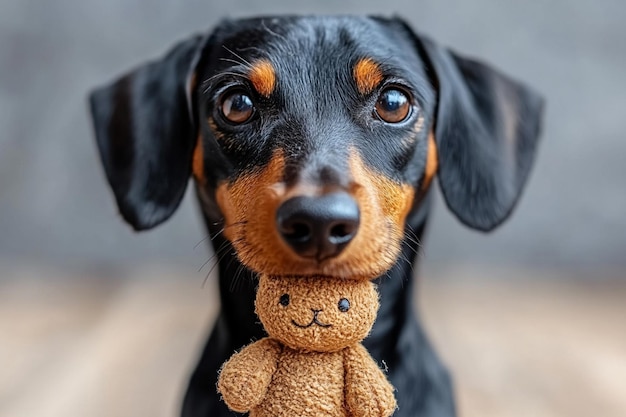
(122, 343)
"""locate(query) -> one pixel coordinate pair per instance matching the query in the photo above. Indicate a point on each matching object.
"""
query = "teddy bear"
(312, 364)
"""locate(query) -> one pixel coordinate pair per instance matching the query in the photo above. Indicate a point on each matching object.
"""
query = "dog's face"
(300, 113)
(312, 139)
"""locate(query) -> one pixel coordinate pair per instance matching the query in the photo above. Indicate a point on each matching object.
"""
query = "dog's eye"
(284, 300)
(237, 107)
(393, 105)
(343, 305)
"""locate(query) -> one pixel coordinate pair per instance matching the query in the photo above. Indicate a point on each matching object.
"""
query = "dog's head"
(313, 138)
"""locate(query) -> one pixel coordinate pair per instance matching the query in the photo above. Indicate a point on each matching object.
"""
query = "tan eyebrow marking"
(367, 75)
(263, 77)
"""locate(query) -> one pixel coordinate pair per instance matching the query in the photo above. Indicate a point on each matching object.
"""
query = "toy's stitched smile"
(314, 321)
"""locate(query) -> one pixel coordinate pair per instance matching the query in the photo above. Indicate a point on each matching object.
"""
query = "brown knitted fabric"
(312, 364)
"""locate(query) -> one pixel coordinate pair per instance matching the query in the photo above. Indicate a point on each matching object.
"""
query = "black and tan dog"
(312, 143)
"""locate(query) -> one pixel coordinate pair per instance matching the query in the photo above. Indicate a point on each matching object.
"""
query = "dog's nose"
(318, 227)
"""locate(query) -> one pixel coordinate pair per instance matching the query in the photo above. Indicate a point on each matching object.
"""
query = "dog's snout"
(318, 227)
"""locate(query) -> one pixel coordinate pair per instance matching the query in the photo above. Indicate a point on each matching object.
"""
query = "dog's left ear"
(486, 130)
(146, 133)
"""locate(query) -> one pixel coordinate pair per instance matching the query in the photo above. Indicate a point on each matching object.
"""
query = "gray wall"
(55, 207)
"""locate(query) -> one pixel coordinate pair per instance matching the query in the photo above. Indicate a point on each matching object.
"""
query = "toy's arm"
(244, 378)
(368, 393)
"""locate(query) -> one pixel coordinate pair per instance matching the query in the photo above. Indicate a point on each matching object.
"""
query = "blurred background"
(97, 320)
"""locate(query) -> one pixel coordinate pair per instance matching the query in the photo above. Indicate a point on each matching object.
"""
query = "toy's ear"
(144, 127)
(486, 130)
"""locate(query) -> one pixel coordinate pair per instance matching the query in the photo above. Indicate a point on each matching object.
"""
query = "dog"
(312, 143)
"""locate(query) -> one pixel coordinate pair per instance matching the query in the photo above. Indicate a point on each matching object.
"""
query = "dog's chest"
(305, 384)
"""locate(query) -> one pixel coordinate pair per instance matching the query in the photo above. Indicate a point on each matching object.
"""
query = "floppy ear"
(145, 131)
(486, 129)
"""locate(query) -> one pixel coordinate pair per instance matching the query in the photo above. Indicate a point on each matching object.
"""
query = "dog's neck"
(237, 285)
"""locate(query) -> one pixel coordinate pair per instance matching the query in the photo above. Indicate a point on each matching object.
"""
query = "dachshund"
(312, 143)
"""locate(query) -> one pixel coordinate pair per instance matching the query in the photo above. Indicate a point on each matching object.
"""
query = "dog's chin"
(311, 276)
(329, 269)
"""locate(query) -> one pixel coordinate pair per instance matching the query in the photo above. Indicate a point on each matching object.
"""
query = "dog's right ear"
(145, 130)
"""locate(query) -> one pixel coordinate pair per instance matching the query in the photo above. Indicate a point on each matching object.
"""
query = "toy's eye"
(284, 300)
(237, 107)
(393, 105)
(343, 305)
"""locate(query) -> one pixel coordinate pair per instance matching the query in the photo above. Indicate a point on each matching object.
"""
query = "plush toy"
(312, 363)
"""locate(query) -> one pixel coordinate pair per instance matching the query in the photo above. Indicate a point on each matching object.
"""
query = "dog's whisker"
(405, 259)
(217, 252)
(419, 249)
(414, 250)
(411, 239)
(212, 238)
(221, 257)
(206, 85)
(231, 60)
(237, 271)
(202, 240)
(243, 61)
(415, 245)
(233, 281)
(241, 223)
(410, 234)
(218, 233)
(205, 262)
(417, 238)
(237, 281)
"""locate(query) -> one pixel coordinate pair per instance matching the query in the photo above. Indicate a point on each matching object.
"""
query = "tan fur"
(314, 371)
(384, 205)
(263, 77)
(249, 207)
(367, 75)
(250, 204)
(431, 163)
(315, 293)
(197, 163)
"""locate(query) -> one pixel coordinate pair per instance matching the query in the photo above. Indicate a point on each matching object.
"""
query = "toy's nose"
(318, 227)
(317, 321)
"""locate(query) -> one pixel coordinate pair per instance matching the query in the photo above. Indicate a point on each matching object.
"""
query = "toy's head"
(314, 313)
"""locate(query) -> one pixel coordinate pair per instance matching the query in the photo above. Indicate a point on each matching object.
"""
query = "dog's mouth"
(315, 321)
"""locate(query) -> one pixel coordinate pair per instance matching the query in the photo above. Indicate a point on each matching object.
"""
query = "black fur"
(486, 127)
(487, 130)
(146, 135)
